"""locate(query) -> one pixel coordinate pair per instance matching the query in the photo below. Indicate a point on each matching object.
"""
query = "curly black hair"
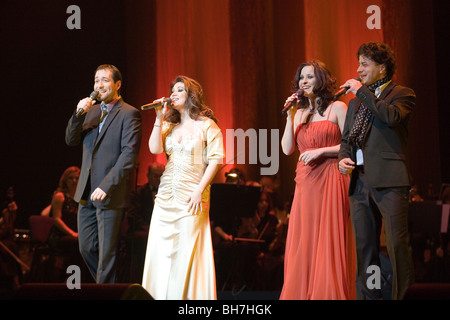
(381, 53)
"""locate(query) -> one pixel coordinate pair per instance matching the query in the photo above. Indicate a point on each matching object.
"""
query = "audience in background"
(63, 237)
(10, 269)
(137, 224)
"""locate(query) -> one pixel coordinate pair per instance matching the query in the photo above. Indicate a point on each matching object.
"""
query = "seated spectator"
(138, 217)
(10, 269)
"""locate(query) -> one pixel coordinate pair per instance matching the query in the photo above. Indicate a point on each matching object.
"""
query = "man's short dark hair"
(115, 73)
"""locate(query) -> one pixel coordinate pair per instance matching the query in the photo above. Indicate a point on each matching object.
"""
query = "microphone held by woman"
(156, 104)
(289, 104)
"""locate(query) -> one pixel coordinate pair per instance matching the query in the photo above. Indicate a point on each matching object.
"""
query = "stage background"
(244, 53)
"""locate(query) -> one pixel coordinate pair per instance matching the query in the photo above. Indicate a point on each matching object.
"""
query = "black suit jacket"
(108, 156)
(385, 149)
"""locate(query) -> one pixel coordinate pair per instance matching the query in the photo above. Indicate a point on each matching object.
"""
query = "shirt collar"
(380, 89)
(110, 105)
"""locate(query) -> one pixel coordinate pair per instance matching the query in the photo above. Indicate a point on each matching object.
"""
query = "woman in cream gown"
(179, 263)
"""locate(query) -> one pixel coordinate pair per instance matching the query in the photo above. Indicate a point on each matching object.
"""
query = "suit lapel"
(387, 90)
(383, 95)
(91, 122)
(112, 114)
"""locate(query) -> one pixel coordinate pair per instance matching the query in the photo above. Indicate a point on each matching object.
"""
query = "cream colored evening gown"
(179, 263)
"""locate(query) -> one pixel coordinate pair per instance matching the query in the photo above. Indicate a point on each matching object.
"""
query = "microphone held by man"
(343, 90)
(85, 104)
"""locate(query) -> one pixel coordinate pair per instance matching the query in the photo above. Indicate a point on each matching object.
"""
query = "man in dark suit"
(374, 151)
(110, 133)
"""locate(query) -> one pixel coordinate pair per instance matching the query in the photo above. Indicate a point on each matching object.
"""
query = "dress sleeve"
(166, 128)
(214, 141)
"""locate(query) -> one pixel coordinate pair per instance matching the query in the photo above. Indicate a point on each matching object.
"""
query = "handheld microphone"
(93, 96)
(343, 90)
(289, 105)
(156, 104)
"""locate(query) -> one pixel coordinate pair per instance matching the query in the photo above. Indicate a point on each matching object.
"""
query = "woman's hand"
(195, 203)
(310, 156)
(293, 101)
(161, 111)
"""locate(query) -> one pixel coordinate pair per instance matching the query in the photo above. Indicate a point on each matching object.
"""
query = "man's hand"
(346, 166)
(85, 104)
(98, 194)
(353, 86)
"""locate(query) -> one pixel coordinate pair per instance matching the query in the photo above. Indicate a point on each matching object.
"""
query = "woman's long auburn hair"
(62, 186)
(324, 88)
(195, 102)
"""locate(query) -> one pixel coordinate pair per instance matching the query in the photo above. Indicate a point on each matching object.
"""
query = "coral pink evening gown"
(319, 247)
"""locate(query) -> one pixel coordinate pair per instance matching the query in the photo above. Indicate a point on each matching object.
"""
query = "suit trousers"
(368, 206)
(98, 235)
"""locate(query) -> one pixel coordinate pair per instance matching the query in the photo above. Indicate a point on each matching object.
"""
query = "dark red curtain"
(409, 29)
(245, 54)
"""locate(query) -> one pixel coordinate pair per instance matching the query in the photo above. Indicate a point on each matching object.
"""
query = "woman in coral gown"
(179, 263)
(316, 257)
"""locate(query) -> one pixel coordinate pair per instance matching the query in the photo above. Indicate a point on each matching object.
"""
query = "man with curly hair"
(374, 151)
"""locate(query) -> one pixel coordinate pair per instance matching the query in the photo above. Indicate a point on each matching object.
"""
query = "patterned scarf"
(361, 125)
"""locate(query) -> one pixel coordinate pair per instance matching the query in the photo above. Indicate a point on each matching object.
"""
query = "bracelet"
(157, 125)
